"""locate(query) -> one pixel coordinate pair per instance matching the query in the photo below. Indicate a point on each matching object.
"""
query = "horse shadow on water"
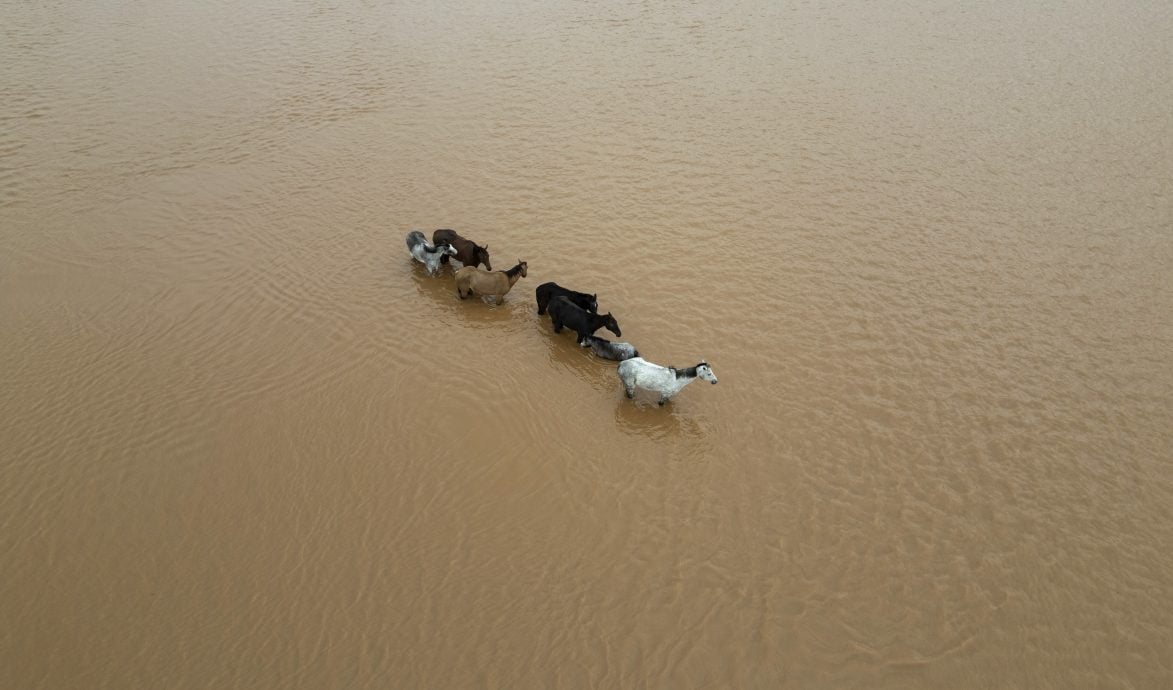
(649, 420)
(577, 361)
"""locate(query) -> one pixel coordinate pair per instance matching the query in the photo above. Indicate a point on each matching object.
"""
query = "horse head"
(447, 248)
(480, 255)
(704, 371)
(611, 324)
(524, 267)
(594, 309)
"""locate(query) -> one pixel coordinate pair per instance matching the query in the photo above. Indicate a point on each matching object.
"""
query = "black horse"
(548, 291)
(563, 312)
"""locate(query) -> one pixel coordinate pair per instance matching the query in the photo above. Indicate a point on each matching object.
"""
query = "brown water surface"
(926, 246)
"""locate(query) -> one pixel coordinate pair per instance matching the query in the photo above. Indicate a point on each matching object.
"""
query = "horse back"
(601, 347)
(570, 314)
(637, 366)
(482, 281)
(465, 248)
(548, 291)
(564, 309)
(450, 236)
(453, 238)
(465, 275)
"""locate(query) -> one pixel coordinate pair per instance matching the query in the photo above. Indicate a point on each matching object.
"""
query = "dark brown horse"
(468, 252)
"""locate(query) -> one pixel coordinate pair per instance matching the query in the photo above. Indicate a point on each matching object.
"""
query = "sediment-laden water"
(927, 248)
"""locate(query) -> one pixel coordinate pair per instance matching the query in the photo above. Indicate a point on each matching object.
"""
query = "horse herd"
(578, 311)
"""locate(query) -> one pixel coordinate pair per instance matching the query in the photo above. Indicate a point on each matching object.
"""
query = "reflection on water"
(643, 418)
(246, 441)
(567, 358)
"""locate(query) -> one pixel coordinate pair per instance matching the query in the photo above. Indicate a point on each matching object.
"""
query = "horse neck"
(684, 377)
(513, 274)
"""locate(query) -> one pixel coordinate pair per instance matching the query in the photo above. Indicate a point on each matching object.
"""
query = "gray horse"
(427, 254)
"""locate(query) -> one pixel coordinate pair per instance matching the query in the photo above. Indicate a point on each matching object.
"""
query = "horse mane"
(513, 271)
(688, 372)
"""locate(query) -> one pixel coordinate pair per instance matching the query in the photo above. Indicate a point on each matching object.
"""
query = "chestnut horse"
(468, 252)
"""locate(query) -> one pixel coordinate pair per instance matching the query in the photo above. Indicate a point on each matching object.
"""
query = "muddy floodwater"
(926, 246)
